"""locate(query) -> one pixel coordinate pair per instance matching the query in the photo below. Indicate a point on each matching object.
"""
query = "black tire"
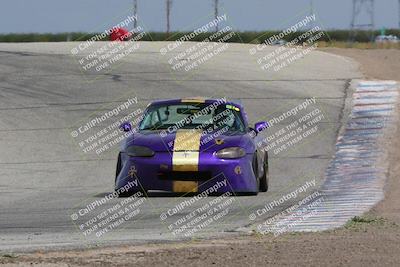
(255, 171)
(264, 178)
(119, 167)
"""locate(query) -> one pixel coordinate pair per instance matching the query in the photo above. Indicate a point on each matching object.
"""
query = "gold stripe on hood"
(185, 157)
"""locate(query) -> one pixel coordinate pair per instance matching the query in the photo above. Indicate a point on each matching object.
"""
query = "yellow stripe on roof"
(194, 100)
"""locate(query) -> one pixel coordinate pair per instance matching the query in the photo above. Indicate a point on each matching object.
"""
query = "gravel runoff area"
(373, 239)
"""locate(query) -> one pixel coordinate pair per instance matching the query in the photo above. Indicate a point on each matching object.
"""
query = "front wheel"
(264, 178)
(119, 167)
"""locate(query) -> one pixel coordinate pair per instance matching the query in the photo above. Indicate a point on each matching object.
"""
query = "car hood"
(160, 141)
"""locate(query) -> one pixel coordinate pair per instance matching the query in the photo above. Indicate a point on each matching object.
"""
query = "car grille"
(185, 176)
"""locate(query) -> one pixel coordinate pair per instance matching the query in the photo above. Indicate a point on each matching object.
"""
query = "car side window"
(151, 120)
(154, 118)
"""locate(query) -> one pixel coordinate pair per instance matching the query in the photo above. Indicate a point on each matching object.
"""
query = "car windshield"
(209, 117)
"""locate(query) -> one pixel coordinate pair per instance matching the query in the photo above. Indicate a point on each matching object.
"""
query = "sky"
(26, 16)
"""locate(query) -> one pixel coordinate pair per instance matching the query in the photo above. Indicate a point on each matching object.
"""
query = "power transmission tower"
(362, 18)
(216, 13)
(135, 13)
(312, 13)
(169, 4)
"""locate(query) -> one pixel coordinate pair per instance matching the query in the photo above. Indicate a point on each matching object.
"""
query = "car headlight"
(139, 151)
(231, 153)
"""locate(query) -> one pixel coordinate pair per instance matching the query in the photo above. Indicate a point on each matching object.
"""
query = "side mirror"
(126, 126)
(261, 126)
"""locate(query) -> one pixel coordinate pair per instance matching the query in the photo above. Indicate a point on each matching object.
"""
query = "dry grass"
(342, 44)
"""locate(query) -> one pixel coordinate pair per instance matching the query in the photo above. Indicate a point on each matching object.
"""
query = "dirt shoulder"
(373, 239)
(383, 64)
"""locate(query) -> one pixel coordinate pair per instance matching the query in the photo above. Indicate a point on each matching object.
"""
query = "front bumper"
(159, 173)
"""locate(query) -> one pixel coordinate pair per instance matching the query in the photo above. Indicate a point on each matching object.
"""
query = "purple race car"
(192, 145)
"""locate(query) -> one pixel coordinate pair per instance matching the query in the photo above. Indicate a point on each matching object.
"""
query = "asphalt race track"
(44, 94)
